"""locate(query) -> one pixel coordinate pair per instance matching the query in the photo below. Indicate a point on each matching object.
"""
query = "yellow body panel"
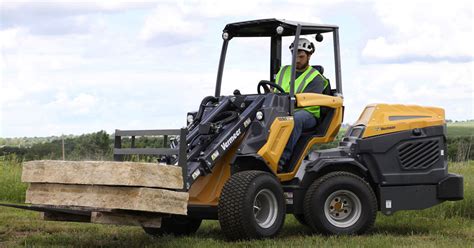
(305, 100)
(313, 99)
(389, 118)
(331, 133)
(207, 189)
(280, 131)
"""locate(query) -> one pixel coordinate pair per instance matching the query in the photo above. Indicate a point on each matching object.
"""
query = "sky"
(78, 67)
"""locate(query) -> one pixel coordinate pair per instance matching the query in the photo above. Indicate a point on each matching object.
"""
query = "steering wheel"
(265, 83)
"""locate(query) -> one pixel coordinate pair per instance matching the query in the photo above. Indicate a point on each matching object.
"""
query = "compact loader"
(393, 158)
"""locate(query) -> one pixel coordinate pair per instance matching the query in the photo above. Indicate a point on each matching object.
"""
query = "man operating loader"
(307, 80)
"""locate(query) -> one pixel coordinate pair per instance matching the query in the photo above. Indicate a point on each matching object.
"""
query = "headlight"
(259, 115)
(190, 119)
(280, 30)
(225, 35)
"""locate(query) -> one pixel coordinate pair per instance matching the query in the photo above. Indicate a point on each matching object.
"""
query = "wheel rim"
(265, 208)
(342, 208)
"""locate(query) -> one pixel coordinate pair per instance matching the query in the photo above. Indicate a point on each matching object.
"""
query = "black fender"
(319, 164)
(249, 162)
(320, 167)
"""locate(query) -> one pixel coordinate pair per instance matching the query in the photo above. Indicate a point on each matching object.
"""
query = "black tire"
(300, 218)
(340, 203)
(243, 194)
(175, 225)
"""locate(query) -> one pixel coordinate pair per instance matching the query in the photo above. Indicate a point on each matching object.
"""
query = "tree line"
(99, 146)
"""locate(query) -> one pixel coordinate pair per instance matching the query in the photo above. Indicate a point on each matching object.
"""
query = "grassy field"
(458, 129)
(450, 224)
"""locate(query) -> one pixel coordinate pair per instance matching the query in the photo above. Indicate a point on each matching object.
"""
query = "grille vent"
(419, 155)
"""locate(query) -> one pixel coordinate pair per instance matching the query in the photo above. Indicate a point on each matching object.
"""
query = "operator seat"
(320, 129)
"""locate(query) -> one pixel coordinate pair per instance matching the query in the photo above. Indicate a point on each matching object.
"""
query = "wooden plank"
(106, 218)
(103, 173)
(56, 216)
(95, 196)
(72, 208)
(126, 219)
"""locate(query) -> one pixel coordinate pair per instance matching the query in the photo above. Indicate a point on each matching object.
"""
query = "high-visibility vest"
(283, 79)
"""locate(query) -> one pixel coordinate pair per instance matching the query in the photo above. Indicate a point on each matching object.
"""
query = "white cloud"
(423, 31)
(441, 84)
(57, 17)
(216, 8)
(169, 26)
(81, 104)
(177, 22)
(9, 38)
(103, 77)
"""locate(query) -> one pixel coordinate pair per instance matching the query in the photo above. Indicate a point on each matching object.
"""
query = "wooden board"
(95, 196)
(126, 219)
(57, 216)
(103, 173)
(107, 218)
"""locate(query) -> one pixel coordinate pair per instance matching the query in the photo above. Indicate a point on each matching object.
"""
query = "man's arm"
(316, 85)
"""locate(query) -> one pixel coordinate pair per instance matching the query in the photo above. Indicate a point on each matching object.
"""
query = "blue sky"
(77, 67)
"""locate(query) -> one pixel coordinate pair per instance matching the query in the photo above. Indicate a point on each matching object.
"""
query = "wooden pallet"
(101, 216)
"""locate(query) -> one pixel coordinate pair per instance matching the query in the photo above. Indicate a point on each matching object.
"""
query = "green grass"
(450, 224)
(458, 129)
(11, 187)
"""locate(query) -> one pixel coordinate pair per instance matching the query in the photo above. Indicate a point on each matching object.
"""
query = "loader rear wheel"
(340, 203)
(251, 206)
(175, 225)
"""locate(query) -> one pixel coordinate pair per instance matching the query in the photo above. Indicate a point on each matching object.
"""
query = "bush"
(460, 148)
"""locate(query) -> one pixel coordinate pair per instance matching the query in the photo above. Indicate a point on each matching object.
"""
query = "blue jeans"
(303, 120)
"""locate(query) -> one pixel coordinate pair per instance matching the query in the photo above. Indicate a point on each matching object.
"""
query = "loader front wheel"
(175, 225)
(340, 203)
(251, 206)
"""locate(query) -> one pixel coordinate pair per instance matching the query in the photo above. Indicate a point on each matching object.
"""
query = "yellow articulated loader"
(393, 158)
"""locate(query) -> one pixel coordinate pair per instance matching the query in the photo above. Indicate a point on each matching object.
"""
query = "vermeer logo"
(384, 128)
(234, 136)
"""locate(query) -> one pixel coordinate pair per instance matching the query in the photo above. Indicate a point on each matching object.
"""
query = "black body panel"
(405, 158)
(451, 188)
(246, 157)
(394, 198)
(407, 170)
(410, 197)
(275, 105)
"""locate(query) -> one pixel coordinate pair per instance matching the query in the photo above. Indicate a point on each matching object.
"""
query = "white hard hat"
(304, 44)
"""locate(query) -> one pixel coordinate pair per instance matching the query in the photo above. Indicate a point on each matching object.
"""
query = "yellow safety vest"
(300, 84)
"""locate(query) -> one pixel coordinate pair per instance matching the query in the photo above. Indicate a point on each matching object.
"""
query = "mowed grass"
(449, 224)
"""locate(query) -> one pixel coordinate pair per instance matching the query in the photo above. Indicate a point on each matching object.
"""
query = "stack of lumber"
(136, 186)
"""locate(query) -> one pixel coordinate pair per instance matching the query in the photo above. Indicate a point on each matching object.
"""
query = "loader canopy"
(267, 28)
(275, 29)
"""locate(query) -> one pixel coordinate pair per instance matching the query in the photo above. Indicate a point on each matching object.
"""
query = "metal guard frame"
(181, 151)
